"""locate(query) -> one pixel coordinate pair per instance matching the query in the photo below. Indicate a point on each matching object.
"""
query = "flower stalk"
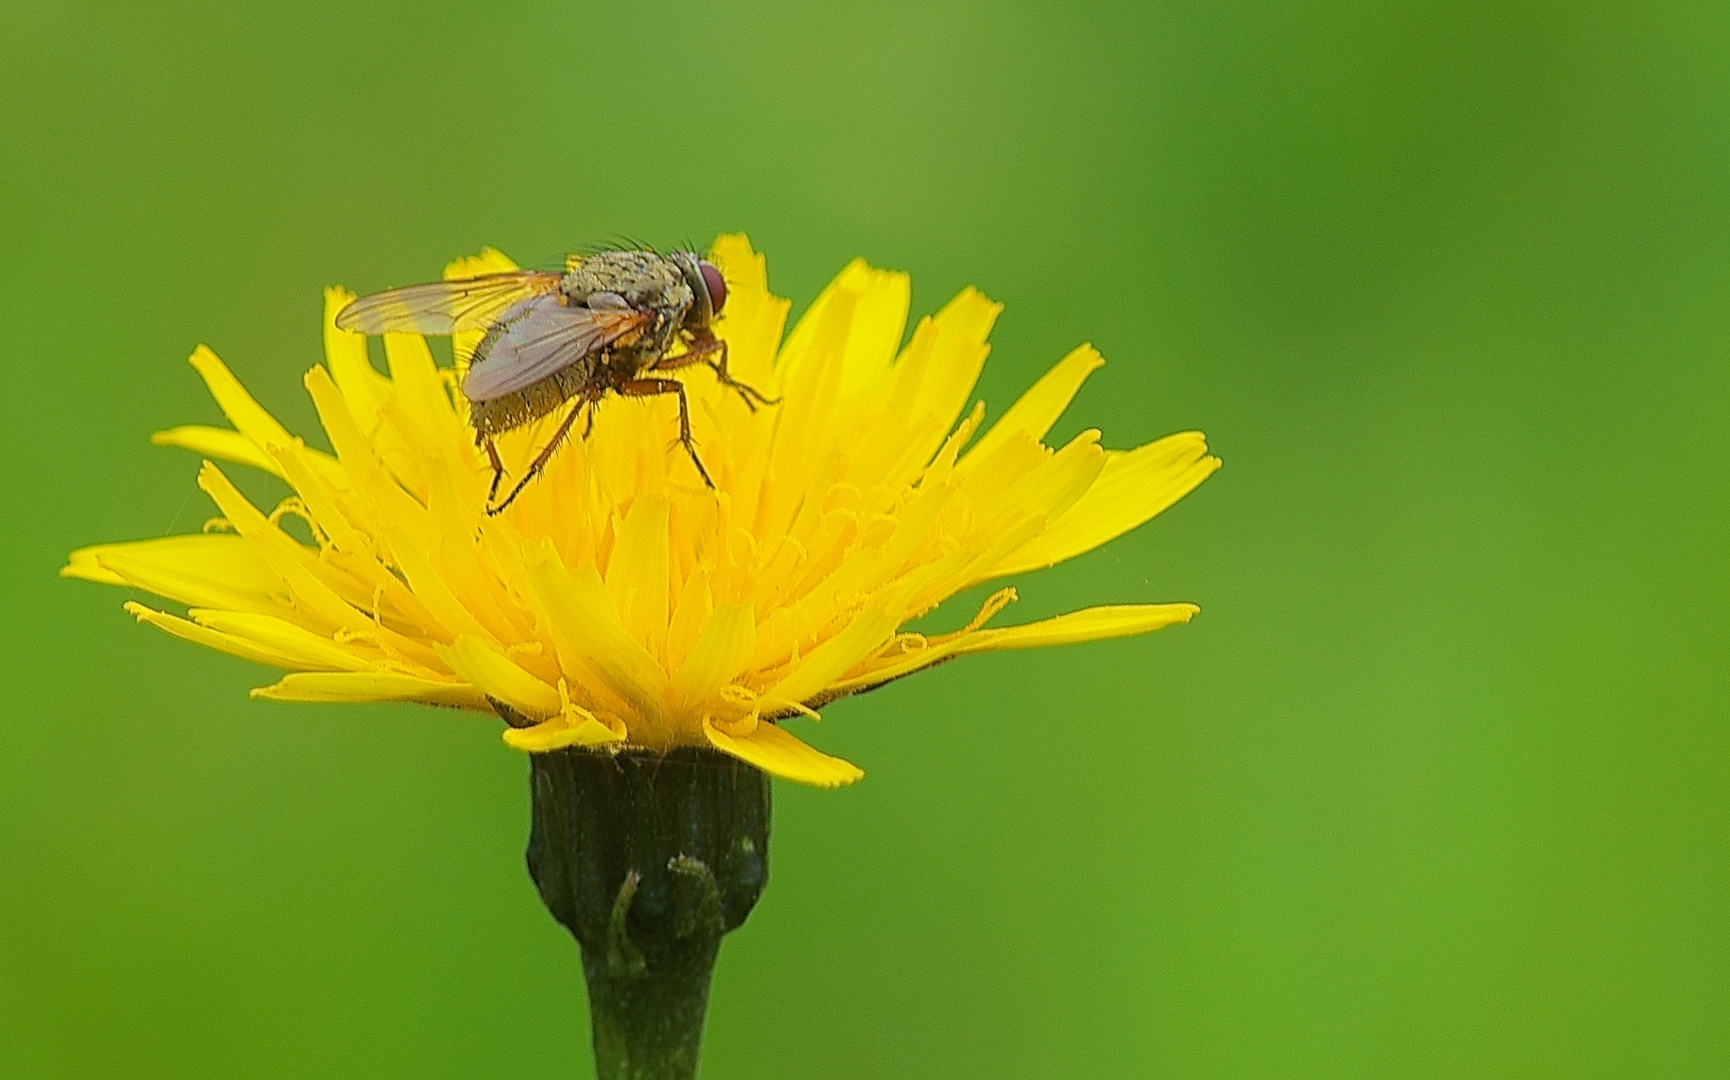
(648, 859)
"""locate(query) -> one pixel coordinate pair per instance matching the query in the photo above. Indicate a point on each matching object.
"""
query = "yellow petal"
(637, 575)
(1045, 491)
(355, 551)
(825, 663)
(490, 261)
(84, 564)
(1089, 624)
(926, 587)
(954, 353)
(219, 443)
(321, 500)
(342, 422)
(1042, 404)
(590, 640)
(455, 497)
(1132, 488)
(334, 686)
(402, 445)
(558, 733)
(345, 351)
(872, 564)
(493, 674)
(375, 490)
(417, 385)
(860, 316)
(411, 557)
(753, 319)
(722, 650)
(285, 557)
(779, 754)
(690, 615)
(226, 445)
(303, 647)
(213, 639)
(218, 570)
(315, 602)
(824, 324)
(242, 411)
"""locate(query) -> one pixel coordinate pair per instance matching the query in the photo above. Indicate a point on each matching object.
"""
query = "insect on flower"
(609, 323)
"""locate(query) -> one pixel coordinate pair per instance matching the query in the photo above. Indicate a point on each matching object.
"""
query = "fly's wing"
(444, 307)
(543, 337)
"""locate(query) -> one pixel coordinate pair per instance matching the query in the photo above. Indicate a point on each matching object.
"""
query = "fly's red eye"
(716, 283)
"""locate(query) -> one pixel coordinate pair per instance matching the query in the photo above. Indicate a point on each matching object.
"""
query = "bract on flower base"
(619, 600)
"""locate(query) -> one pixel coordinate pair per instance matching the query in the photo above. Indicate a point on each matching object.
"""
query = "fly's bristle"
(617, 242)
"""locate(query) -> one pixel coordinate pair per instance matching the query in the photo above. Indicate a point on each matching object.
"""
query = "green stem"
(649, 860)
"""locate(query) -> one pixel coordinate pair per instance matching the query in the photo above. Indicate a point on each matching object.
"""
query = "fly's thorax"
(657, 337)
(641, 279)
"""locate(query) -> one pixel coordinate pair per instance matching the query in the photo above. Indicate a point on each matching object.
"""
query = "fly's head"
(708, 289)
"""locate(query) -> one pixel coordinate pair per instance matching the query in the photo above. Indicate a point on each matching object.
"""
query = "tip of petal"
(84, 565)
(490, 261)
(777, 753)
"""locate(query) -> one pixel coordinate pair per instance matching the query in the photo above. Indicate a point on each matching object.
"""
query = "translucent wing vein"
(444, 307)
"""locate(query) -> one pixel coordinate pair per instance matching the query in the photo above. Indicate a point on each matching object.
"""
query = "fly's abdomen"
(532, 402)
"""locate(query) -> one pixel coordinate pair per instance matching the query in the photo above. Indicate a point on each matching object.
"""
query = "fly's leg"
(751, 395)
(703, 347)
(486, 443)
(540, 461)
(653, 387)
(698, 346)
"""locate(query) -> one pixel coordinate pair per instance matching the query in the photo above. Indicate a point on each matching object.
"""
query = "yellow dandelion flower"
(619, 600)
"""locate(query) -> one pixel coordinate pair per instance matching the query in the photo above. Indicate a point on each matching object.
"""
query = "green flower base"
(648, 860)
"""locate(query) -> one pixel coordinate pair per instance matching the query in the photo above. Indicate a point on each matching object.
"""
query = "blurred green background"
(1436, 784)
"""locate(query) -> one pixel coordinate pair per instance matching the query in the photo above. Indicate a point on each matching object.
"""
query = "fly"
(608, 324)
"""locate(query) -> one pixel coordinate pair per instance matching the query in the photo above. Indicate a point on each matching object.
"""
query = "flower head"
(619, 600)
